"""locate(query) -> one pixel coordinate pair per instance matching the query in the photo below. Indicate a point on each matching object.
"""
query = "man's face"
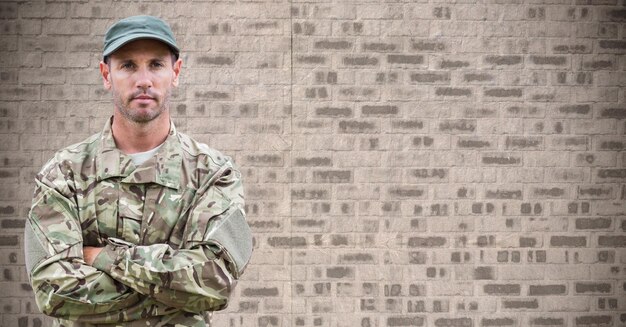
(141, 75)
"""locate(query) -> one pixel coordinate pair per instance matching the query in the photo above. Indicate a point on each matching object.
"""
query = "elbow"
(206, 298)
(197, 303)
(50, 307)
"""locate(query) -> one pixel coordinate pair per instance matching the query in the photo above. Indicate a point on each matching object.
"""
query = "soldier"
(138, 225)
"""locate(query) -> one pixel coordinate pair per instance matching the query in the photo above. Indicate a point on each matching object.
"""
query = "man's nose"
(144, 78)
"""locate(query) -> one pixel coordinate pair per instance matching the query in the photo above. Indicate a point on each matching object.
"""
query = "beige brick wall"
(407, 163)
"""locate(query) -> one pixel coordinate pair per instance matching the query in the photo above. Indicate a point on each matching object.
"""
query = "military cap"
(138, 27)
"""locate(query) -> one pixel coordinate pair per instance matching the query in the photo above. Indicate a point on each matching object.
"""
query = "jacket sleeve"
(201, 274)
(63, 284)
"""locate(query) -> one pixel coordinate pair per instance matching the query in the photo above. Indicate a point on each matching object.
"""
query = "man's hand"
(90, 253)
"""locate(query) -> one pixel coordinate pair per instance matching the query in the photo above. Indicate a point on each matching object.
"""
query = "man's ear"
(176, 68)
(106, 75)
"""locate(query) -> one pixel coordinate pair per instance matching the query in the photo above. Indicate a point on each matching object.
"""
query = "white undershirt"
(141, 157)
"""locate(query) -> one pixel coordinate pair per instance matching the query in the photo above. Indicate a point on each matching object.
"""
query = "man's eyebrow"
(125, 60)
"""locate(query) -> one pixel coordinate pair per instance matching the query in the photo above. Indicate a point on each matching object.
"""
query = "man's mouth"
(143, 98)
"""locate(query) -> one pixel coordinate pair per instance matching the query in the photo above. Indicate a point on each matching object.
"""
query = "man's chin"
(142, 116)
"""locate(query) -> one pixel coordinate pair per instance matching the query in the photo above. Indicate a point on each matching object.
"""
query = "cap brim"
(114, 46)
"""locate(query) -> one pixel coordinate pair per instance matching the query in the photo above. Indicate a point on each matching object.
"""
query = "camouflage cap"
(138, 27)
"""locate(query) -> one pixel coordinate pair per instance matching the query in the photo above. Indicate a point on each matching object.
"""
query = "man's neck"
(131, 137)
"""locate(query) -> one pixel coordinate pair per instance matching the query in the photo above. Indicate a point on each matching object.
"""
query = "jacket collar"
(164, 168)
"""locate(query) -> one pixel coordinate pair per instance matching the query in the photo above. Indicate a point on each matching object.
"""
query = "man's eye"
(157, 64)
(127, 66)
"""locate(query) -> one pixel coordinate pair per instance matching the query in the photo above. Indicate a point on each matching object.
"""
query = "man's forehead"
(143, 47)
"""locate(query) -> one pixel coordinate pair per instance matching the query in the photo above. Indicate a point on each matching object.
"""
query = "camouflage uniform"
(173, 230)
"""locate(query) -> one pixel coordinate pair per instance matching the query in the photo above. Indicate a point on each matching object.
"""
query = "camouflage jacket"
(173, 230)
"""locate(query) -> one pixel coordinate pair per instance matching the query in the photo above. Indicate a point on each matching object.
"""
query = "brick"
(503, 93)
(358, 94)
(332, 176)
(360, 61)
(430, 175)
(430, 78)
(484, 273)
(612, 45)
(611, 174)
(520, 304)
(598, 64)
(260, 292)
(346, 126)
(610, 143)
(458, 126)
(428, 45)
(9, 10)
(426, 242)
(521, 143)
(12, 223)
(379, 110)
(214, 61)
(503, 60)
(333, 112)
(498, 322)
(501, 159)
(329, 77)
(478, 77)
(550, 193)
(456, 322)
(547, 289)
(571, 48)
(312, 161)
(595, 320)
(616, 113)
(264, 160)
(480, 112)
(612, 241)
(357, 258)
(380, 46)
(407, 192)
(409, 126)
(568, 241)
(502, 289)
(549, 60)
(404, 321)
(614, 15)
(499, 193)
(310, 60)
(475, 143)
(405, 59)
(351, 28)
(547, 321)
(340, 272)
(333, 45)
(423, 141)
(387, 78)
(453, 64)
(287, 242)
(593, 223)
(8, 240)
(524, 111)
(452, 91)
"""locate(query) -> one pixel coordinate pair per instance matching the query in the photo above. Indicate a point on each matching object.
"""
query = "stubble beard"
(141, 116)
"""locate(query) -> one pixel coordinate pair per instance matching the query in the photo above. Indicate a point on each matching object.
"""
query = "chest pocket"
(164, 216)
(130, 211)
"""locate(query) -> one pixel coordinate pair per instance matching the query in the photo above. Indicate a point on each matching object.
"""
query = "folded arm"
(64, 285)
(197, 278)
(201, 274)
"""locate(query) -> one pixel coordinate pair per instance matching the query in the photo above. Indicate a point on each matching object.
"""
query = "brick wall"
(407, 163)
